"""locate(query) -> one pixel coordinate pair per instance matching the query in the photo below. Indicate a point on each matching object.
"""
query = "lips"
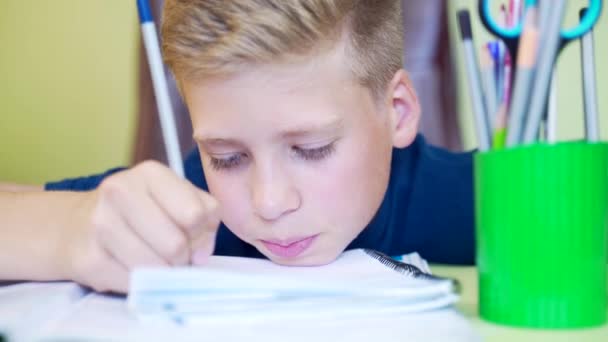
(290, 248)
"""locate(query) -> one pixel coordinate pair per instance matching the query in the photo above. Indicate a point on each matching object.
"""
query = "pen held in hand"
(161, 91)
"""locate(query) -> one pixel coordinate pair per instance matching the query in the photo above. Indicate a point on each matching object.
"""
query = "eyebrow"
(305, 130)
(313, 128)
(219, 142)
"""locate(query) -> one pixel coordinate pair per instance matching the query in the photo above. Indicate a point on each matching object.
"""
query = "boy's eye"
(316, 153)
(229, 162)
(234, 160)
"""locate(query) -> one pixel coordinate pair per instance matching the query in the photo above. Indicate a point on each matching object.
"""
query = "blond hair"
(202, 38)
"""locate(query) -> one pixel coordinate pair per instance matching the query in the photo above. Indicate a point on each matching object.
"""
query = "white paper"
(259, 290)
(66, 311)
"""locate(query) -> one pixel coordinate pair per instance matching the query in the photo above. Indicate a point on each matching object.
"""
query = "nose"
(274, 194)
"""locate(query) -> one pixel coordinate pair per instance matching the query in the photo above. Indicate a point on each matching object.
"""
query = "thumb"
(212, 209)
(203, 244)
(202, 247)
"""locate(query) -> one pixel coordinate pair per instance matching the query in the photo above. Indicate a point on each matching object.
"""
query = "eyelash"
(311, 154)
(233, 161)
(316, 153)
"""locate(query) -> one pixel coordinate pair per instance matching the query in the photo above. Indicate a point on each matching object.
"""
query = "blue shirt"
(427, 208)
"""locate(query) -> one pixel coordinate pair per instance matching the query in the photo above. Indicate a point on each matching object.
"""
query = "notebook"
(360, 282)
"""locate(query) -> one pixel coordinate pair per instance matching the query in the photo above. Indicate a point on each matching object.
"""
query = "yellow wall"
(570, 105)
(67, 87)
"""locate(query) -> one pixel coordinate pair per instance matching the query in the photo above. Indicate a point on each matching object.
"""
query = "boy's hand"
(145, 216)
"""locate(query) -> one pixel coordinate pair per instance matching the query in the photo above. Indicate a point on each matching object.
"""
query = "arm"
(144, 216)
(11, 187)
(33, 226)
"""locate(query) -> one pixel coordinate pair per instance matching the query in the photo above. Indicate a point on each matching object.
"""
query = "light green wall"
(570, 105)
(67, 87)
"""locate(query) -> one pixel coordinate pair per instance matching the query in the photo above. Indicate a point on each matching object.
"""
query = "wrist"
(72, 246)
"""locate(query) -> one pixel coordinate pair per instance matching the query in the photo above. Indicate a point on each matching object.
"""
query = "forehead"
(327, 67)
(296, 73)
(282, 94)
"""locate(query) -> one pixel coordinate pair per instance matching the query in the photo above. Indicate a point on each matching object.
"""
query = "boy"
(306, 127)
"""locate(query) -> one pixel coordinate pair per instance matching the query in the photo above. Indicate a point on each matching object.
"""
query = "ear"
(404, 109)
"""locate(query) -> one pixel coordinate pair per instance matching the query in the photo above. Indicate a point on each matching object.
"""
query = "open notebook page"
(358, 282)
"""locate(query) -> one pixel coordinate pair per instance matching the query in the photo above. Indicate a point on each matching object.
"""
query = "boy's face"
(299, 155)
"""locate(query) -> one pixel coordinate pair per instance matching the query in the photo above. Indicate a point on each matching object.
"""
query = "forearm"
(35, 227)
(10, 187)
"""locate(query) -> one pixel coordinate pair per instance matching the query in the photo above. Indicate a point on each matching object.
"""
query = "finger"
(202, 247)
(186, 205)
(151, 225)
(123, 244)
(212, 219)
(112, 276)
(115, 278)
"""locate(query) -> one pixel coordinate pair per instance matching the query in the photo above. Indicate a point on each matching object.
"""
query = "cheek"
(233, 197)
(351, 189)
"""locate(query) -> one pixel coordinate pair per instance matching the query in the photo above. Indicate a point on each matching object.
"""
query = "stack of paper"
(359, 282)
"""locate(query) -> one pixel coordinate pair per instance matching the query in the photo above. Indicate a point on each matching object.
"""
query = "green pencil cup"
(541, 222)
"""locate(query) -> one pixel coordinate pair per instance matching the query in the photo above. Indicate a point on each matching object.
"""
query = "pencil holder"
(541, 221)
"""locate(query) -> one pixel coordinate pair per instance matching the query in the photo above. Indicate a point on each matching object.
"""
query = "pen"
(500, 132)
(481, 122)
(546, 60)
(163, 101)
(526, 59)
(501, 50)
(543, 14)
(489, 83)
(551, 124)
(592, 133)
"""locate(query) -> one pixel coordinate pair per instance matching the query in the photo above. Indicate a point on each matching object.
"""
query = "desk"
(492, 332)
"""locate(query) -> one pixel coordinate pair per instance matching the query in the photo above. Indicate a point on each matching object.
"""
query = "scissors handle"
(589, 20)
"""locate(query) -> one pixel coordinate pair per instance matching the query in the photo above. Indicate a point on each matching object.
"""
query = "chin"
(313, 259)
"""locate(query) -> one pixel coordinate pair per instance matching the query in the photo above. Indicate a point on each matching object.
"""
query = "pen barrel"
(161, 92)
(519, 105)
(549, 48)
(541, 220)
(491, 95)
(589, 88)
(481, 122)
